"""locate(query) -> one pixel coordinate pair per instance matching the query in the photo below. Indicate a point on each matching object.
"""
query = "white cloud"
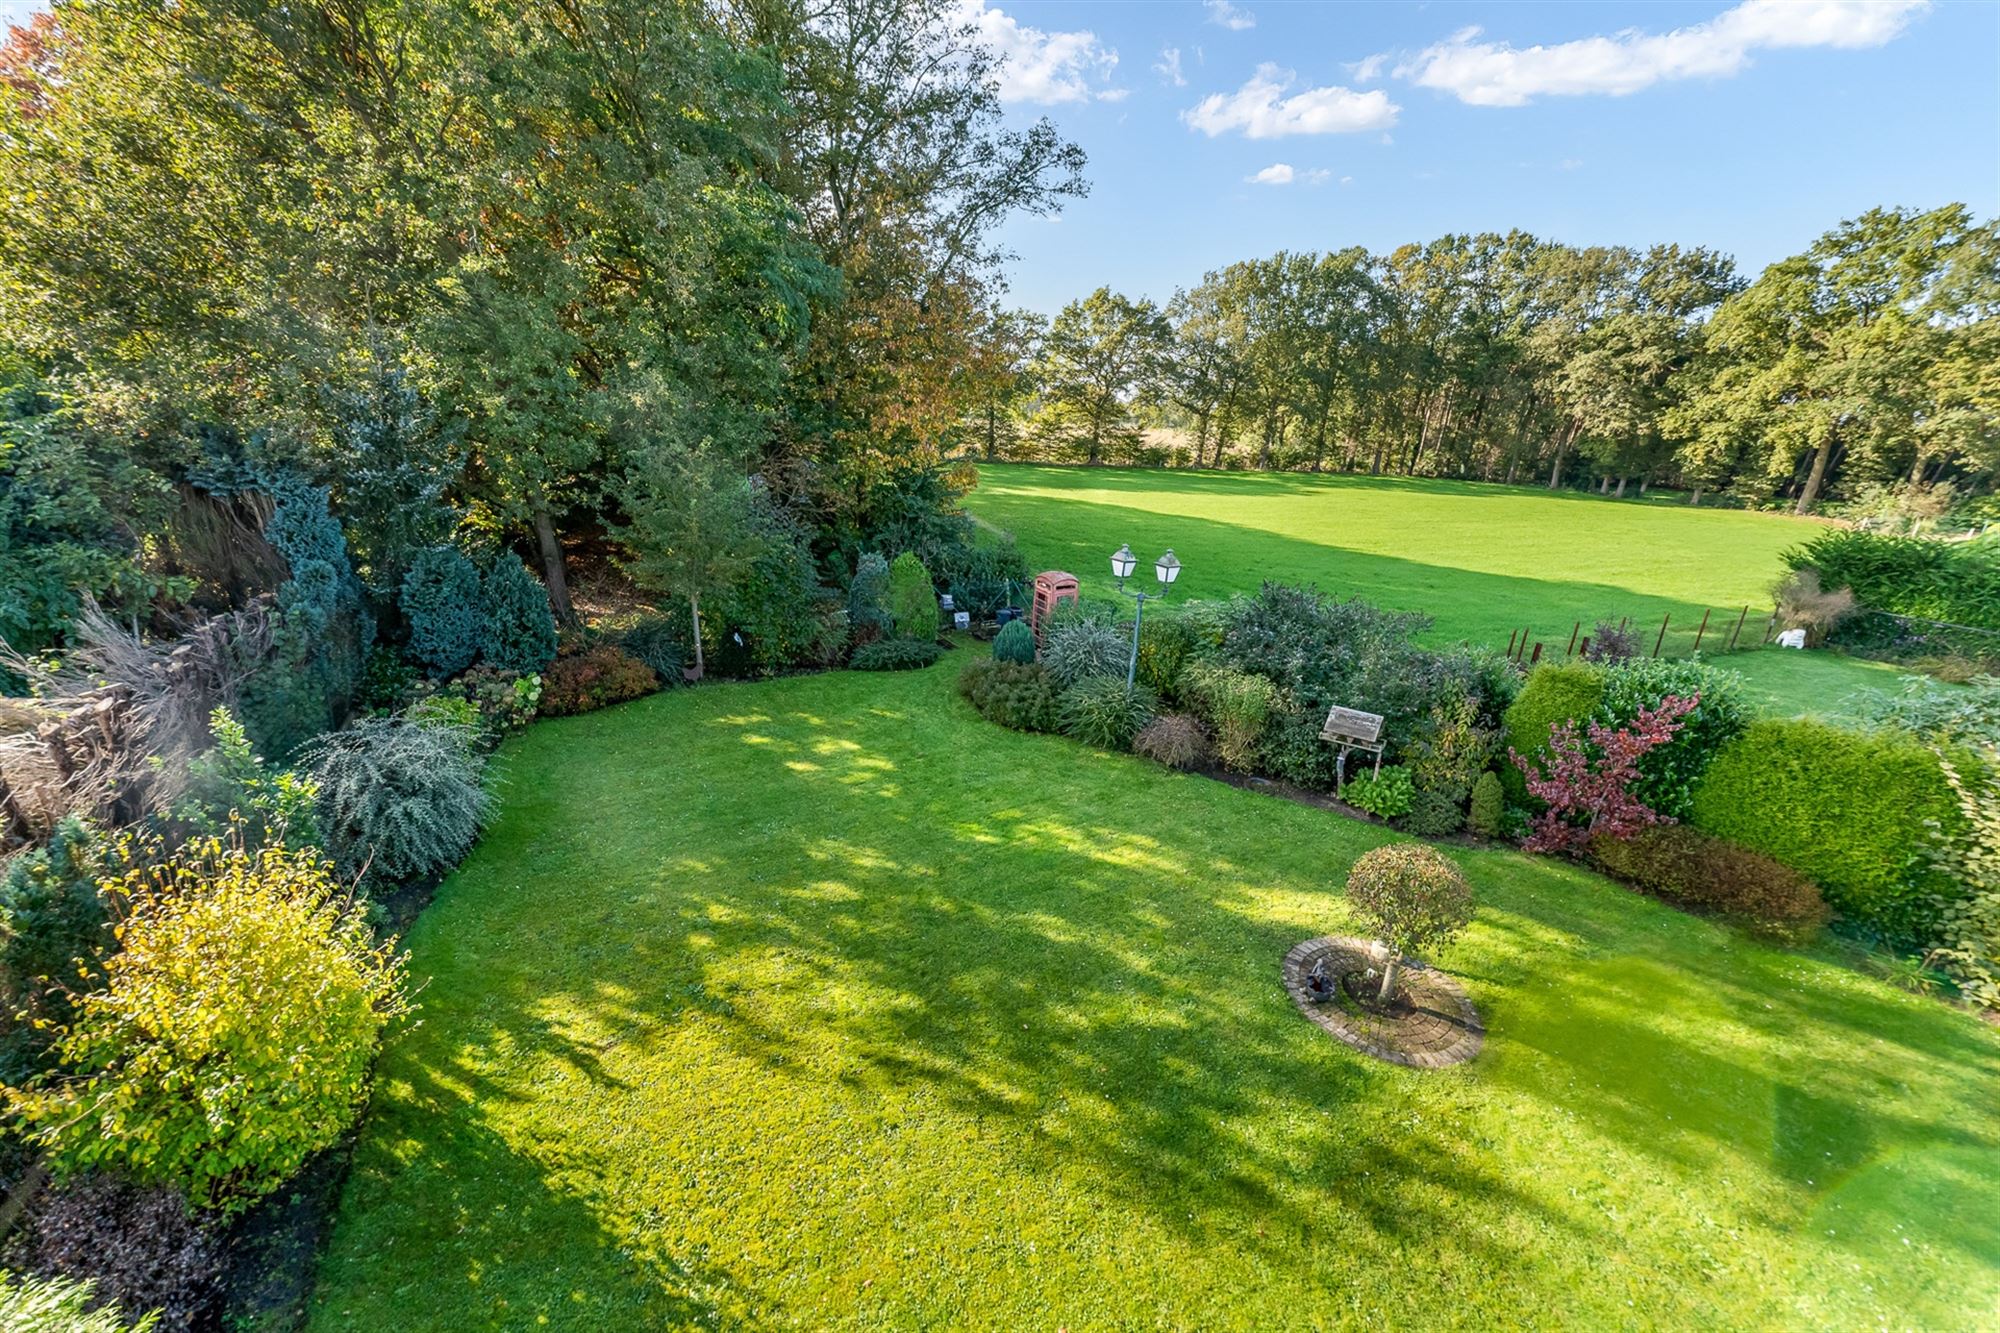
(1496, 74)
(1169, 67)
(1317, 176)
(1369, 68)
(1114, 94)
(1043, 67)
(1262, 111)
(1225, 15)
(1347, 180)
(1278, 173)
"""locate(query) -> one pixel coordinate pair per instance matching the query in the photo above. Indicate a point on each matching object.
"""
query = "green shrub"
(981, 578)
(387, 681)
(506, 701)
(896, 655)
(1849, 810)
(1411, 897)
(58, 1305)
(1290, 747)
(398, 799)
(230, 779)
(1086, 651)
(1103, 713)
(1488, 816)
(1968, 938)
(1167, 643)
(1692, 869)
(54, 934)
(1450, 751)
(221, 1079)
(779, 609)
(1014, 643)
(1386, 795)
(1957, 582)
(452, 712)
(1174, 739)
(1555, 693)
(519, 633)
(1967, 715)
(595, 678)
(1433, 814)
(440, 600)
(1669, 774)
(868, 598)
(1236, 703)
(913, 604)
(661, 643)
(1019, 695)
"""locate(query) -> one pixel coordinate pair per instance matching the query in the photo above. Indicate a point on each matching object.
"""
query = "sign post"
(1352, 729)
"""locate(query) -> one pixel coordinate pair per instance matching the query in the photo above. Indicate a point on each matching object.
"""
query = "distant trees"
(1505, 357)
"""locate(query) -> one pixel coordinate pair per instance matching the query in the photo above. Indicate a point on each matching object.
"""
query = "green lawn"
(1483, 561)
(823, 1003)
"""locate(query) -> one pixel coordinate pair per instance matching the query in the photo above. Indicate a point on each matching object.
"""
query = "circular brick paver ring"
(1440, 1028)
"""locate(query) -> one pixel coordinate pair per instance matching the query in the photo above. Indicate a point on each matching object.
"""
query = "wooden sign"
(1351, 726)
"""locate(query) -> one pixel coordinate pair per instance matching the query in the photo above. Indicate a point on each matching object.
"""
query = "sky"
(1221, 130)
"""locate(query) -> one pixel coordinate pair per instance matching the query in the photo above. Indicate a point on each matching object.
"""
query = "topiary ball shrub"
(1386, 795)
(141, 1247)
(1411, 897)
(440, 600)
(1692, 869)
(1488, 814)
(1174, 739)
(398, 799)
(1555, 693)
(234, 1034)
(1014, 643)
(1432, 814)
(1084, 651)
(1103, 713)
(1014, 694)
(896, 655)
(520, 630)
(595, 678)
(1669, 774)
(913, 604)
(1852, 811)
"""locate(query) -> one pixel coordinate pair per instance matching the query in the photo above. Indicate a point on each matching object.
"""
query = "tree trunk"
(1816, 478)
(1388, 990)
(1621, 488)
(552, 566)
(692, 674)
(1696, 500)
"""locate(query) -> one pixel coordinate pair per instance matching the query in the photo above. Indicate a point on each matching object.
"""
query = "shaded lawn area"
(825, 1003)
(1483, 561)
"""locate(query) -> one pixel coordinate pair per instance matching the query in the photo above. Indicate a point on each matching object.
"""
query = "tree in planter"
(1412, 898)
(694, 530)
(1588, 781)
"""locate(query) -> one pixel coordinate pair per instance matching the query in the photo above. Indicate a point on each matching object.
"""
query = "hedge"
(1909, 576)
(1555, 693)
(1848, 810)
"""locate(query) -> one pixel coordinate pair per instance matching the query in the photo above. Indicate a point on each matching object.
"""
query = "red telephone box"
(1051, 589)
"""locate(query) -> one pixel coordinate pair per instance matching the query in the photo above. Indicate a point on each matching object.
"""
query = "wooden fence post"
(1571, 650)
(1538, 653)
(1511, 634)
(1738, 630)
(1663, 633)
(1703, 630)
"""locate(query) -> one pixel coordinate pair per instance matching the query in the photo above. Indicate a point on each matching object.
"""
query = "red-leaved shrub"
(596, 678)
(143, 1247)
(1587, 783)
(1694, 869)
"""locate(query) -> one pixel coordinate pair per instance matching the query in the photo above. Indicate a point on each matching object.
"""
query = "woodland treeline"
(1867, 363)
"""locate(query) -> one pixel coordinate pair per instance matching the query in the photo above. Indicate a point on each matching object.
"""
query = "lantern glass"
(1123, 562)
(1167, 568)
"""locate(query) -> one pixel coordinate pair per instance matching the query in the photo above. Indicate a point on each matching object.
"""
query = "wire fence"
(1683, 634)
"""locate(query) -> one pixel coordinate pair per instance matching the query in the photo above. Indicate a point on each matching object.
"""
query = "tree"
(1413, 899)
(693, 530)
(998, 377)
(1101, 354)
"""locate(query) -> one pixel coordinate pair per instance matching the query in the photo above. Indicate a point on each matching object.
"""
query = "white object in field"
(961, 620)
(1792, 638)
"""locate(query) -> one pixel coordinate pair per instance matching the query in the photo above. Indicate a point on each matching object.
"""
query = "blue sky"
(1751, 126)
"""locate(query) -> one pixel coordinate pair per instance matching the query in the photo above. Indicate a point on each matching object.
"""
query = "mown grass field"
(1483, 561)
(823, 1003)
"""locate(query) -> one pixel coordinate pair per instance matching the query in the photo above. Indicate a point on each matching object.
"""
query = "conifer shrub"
(519, 630)
(896, 655)
(1014, 643)
(398, 799)
(55, 930)
(440, 601)
(1555, 693)
(1488, 815)
(1432, 814)
(1019, 695)
(913, 604)
(1102, 712)
(868, 614)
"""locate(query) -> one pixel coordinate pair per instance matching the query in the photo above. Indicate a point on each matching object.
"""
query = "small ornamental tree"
(1588, 779)
(1413, 898)
(913, 602)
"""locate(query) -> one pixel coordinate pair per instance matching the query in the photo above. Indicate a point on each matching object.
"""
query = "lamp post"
(1166, 569)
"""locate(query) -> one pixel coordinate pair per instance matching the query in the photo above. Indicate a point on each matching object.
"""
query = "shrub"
(1849, 810)
(913, 604)
(1086, 651)
(141, 1247)
(452, 712)
(896, 655)
(1014, 643)
(519, 633)
(1803, 604)
(440, 601)
(229, 778)
(1669, 774)
(1016, 695)
(1968, 716)
(1968, 939)
(1612, 641)
(506, 702)
(868, 598)
(1693, 869)
(660, 642)
(1290, 747)
(1909, 576)
(1450, 751)
(1174, 739)
(386, 681)
(1586, 783)
(54, 934)
(1386, 795)
(595, 678)
(1103, 713)
(1411, 897)
(1238, 704)
(1433, 814)
(981, 578)
(58, 1305)
(1554, 694)
(779, 608)
(235, 1032)
(1167, 643)
(1488, 816)
(398, 799)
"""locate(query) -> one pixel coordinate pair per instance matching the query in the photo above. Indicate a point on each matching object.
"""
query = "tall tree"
(1101, 355)
(693, 532)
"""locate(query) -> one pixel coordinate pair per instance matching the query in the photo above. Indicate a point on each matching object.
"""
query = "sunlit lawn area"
(1482, 561)
(824, 1003)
